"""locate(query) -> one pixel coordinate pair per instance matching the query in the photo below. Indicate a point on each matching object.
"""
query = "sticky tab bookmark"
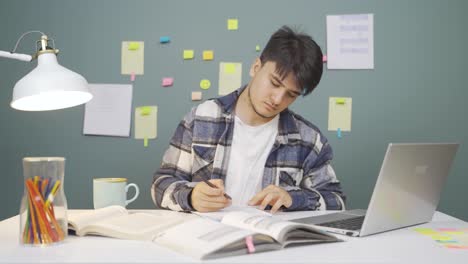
(205, 84)
(257, 48)
(208, 55)
(133, 46)
(145, 142)
(167, 81)
(145, 110)
(324, 58)
(250, 245)
(164, 39)
(232, 24)
(340, 101)
(338, 132)
(196, 96)
(188, 54)
(132, 77)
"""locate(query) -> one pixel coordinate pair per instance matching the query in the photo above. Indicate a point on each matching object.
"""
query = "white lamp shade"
(50, 87)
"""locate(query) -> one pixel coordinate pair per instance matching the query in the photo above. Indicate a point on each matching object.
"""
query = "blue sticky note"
(338, 132)
(164, 39)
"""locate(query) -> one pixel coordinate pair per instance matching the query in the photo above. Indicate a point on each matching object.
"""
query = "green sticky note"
(229, 68)
(340, 101)
(145, 142)
(188, 54)
(145, 110)
(133, 46)
(232, 24)
(257, 48)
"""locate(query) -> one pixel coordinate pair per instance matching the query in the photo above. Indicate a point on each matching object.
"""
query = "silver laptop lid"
(409, 185)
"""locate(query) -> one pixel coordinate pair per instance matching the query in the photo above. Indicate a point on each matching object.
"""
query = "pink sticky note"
(250, 245)
(167, 81)
(132, 77)
(324, 58)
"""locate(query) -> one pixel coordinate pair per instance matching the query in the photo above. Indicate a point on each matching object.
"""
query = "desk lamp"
(49, 86)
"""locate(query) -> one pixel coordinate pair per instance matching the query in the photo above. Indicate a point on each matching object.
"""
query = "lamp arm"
(18, 56)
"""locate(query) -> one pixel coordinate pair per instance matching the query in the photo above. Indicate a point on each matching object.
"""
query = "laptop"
(407, 191)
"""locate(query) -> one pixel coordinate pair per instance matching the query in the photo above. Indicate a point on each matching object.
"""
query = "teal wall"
(416, 93)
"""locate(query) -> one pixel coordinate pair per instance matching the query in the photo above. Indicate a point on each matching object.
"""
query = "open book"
(200, 237)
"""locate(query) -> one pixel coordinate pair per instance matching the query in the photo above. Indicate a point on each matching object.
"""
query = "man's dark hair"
(297, 53)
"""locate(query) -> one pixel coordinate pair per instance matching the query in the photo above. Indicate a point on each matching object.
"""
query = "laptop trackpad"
(319, 219)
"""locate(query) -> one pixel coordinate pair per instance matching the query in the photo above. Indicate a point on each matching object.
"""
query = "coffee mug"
(112, 191)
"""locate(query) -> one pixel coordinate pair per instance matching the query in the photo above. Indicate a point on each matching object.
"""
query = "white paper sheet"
(350, 41)
(230, 77)
(146, 122)
(339, 113)
(109, 112)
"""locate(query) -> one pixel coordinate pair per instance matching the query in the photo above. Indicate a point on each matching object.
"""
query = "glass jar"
(43, 210)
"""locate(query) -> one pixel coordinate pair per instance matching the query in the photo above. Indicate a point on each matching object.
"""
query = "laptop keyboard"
(354, 223)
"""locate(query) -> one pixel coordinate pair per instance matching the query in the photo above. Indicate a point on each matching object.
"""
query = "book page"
(140, 226)
(201, 237)
(283, 231)
(78, 220)
(218, 215)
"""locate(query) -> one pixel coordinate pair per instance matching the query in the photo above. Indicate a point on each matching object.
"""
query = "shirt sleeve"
(319, 188)
(172, 183)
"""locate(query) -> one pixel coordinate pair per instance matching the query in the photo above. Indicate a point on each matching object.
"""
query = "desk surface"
(399, 246)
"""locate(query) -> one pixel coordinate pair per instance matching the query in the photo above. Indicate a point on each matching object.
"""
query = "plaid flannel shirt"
(299, 160)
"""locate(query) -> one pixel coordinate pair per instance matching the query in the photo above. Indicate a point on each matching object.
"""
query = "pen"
(214, 186)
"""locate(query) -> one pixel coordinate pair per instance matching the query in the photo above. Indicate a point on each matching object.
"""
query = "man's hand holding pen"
(206, 198)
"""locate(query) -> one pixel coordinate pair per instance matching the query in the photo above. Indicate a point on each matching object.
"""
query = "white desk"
(400, 246)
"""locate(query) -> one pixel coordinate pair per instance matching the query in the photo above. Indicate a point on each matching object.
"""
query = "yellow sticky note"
(229, 68)
(426, 231)
(230, 77)
(205, 84)
(133, 46)
(257, 48)
(145, 110)
(441, 237)
(340, 100)
(232, 24)
(188, 54)
(208, 55)
(145, 142)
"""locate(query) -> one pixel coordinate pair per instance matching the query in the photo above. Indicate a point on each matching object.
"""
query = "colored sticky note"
(145, 110)
(338, 132)
(205, 84)
(188, 54)
(324, 58)
(146, 122)
(133, 46)
(232, 24)
(196, 96)
(230, 77)
(208, 55)
(167, 81)
(229, 68)
(132, 59)
(425, 231)
(164, 39)
(257, 48)
(339, 115)
(145, 143)
(340, 100)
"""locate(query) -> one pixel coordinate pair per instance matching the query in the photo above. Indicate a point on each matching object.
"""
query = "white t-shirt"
(249, 151)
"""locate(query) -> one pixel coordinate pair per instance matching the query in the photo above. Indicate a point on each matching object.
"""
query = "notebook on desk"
(407, 191)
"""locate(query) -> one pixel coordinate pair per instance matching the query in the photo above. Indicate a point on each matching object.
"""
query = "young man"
(248, 144)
